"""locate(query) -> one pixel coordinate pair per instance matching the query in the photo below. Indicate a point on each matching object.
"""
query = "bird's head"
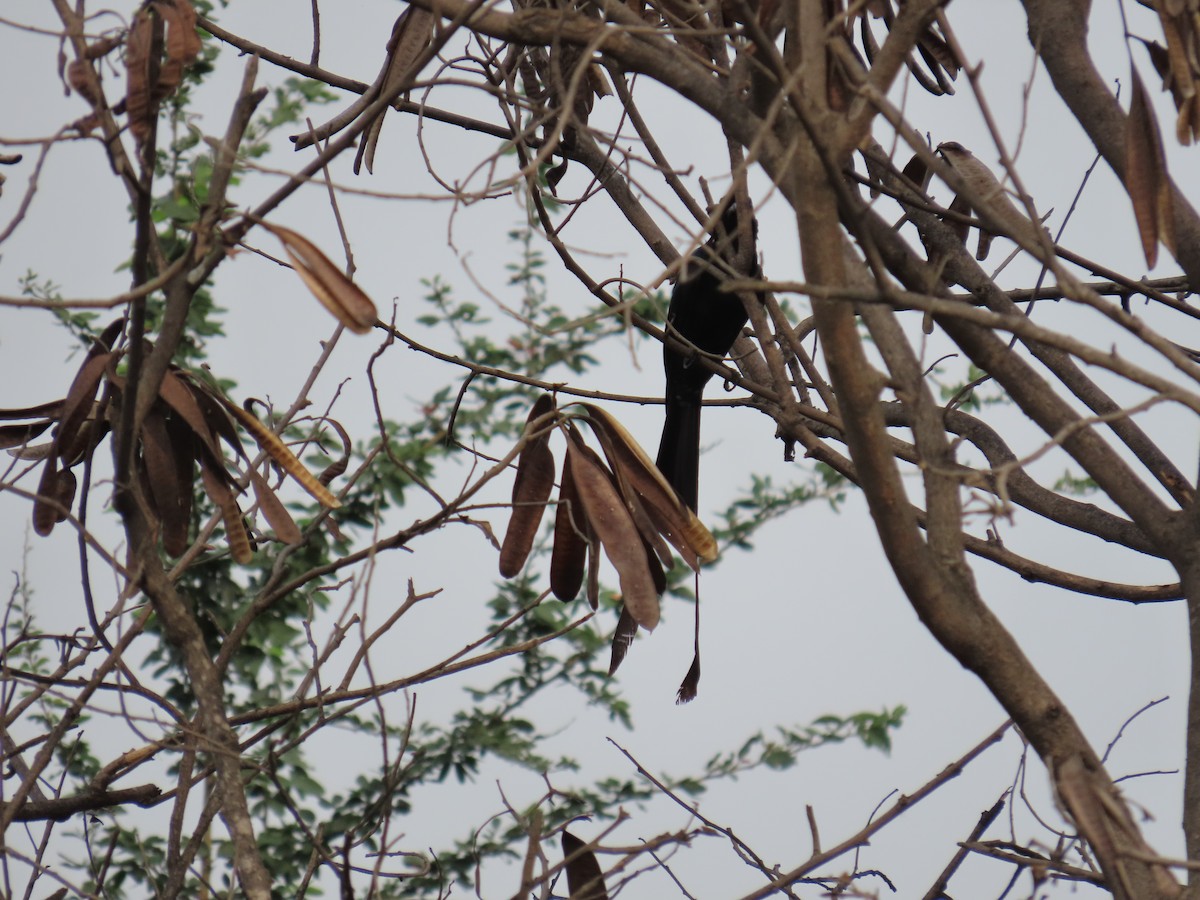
(725, 236)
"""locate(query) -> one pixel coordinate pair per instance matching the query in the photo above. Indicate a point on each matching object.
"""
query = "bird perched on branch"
(710, 320)
(987, 189)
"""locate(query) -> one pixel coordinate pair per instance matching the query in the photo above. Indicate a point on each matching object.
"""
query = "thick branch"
(59, 809)
(1058, 30)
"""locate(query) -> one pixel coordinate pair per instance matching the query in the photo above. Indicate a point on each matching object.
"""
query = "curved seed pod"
(585, 878)
(337, 293)
(51, 410)
(608, 516)
(656, 548)
(1146, 178)
(274, 511)
(592, 591)
(338, 466)
(184, 450)
(531, 491)
(571, 539)
(180, 398)
(669, 515)
(163, 483)
(12, 436)
(70, 438)
(284, 458)
(213, 407)
(622, 639)
(64, 489)
(34, 452)
(235, 529)
(108, 337)
(91, 433)
(45, 513)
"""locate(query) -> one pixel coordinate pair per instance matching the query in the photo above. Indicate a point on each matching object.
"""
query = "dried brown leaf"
(274, 511)
(585, 878)
(80, 83)
(337, 293)
(531, 490)
(141, 67)
(182, 44)
(608, 516)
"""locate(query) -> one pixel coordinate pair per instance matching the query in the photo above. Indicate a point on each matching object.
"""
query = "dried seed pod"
(337, 293)
(45, 511)
(170, 494)
(284, 458)
(608, 516)
(585, 878)
(645, 487)
(568, 559)
(274, 511)
(531, 491)
(1146, 178)
(235, 528)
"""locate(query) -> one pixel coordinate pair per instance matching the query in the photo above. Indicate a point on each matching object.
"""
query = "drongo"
(710, 320)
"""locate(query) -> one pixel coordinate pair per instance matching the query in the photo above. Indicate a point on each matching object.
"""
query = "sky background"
(811, 622)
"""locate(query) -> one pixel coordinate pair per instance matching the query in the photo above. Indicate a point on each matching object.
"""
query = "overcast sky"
(810, 623)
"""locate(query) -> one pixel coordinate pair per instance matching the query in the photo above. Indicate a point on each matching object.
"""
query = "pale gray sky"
(810, 623)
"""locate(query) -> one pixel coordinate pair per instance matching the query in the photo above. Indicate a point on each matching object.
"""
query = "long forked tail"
(679, 449)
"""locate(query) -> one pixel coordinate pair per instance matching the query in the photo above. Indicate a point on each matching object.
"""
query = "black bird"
(710, 319)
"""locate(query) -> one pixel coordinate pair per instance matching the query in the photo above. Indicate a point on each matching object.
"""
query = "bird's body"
(710, 319)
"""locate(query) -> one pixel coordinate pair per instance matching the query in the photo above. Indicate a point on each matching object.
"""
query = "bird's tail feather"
(679, 449)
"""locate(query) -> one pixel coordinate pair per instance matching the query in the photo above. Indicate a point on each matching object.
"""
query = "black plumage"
(710, 319)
